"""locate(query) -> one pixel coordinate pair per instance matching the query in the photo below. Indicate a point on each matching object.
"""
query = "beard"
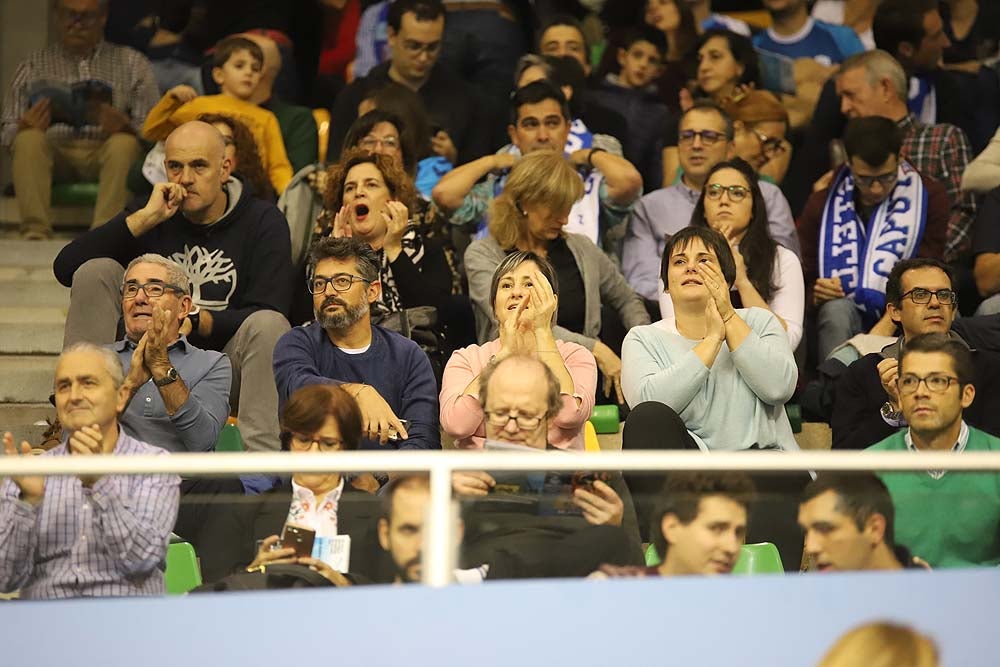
(342, 319)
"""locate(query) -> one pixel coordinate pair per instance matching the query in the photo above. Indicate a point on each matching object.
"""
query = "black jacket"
(857, 421)
(237, 265)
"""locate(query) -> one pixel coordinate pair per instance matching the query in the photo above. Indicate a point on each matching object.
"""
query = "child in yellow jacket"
(237, 67)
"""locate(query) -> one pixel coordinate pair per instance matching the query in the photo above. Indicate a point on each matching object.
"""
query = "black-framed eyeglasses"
(304, 443)
(736, 193)
(153, 289)
(708, 137)
(921, 296)
(86, 19)
(771, 147)
(936, 382)
(341, 282)
(501, 419)
(886, 180)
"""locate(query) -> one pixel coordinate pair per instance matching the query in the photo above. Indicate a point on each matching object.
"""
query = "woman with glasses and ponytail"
(768, 275)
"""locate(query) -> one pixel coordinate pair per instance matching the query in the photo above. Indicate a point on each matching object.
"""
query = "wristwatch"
(889, 414)
(169, 378)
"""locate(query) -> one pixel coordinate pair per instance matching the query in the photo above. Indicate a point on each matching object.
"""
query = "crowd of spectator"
(689, 218)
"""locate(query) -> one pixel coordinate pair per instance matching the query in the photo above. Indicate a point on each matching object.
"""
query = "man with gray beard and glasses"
(388, 374)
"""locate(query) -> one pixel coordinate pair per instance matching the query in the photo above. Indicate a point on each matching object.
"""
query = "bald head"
(523, 387)
(196, 160)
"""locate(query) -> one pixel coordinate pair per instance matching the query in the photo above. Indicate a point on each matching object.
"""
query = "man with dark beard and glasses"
(388, 375)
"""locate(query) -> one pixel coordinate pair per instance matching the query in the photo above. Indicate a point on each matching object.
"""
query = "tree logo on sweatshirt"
(212, 276)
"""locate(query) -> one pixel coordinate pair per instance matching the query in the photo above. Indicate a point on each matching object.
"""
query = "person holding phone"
(313, 519)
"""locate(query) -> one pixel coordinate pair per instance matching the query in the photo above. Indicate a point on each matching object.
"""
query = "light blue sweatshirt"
(738, 402)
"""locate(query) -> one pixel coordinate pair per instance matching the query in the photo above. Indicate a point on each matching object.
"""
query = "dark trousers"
(773, 516)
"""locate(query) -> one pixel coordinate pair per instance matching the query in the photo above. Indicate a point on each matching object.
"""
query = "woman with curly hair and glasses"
(369, 196)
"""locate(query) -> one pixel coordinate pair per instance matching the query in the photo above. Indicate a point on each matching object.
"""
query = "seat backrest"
(183, 573)
(760, 558)
(322, 118)
(590, 442)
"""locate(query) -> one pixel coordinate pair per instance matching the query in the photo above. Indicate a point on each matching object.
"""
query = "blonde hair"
(543, 178)
(882, 644)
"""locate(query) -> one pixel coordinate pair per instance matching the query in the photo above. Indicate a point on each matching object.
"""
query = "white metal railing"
(438, 557)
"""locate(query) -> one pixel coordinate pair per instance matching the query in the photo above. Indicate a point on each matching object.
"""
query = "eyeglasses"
(341, 282)
(369, 143)
(415, 48)
(736, 193)
(708, 137)
(771, 147)
(304, 443)
(153, 290)
(86, 19)
(936, 382)
(501, 419)
(887, 181)
(919, 295)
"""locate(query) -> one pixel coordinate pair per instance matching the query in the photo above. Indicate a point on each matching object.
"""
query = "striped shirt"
(125, 70)
(941, 151)
(108, 540)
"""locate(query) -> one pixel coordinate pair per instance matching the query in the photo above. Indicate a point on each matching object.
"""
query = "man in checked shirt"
(86, 536)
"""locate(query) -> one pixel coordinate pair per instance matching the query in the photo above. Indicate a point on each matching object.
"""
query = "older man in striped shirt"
(87, 535)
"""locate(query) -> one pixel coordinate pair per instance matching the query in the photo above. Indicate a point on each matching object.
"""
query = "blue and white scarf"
(863, 253)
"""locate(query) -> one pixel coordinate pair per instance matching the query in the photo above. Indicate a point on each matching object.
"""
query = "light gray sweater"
(738, 402)
(603, 283)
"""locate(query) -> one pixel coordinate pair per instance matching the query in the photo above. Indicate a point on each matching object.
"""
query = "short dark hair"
(706, 104)
(388, 493)
(872, 139)
(225, 48)
(516, 259)
(567, 71)
(894, 284)
(898, 21)
(645, 33)
(535, 93)
(757, 247)
(859, 496)
(346, 248)
(306, 411)
(424, 10)
(682, 494)
(363, 126)
(742, 49)
(956, 348)
(567, 20)
(712, 239)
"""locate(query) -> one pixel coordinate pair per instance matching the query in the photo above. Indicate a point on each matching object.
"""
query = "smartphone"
(298, 538)
(394, 435)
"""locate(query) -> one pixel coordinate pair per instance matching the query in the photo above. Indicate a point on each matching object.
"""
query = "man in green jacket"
(952, 519)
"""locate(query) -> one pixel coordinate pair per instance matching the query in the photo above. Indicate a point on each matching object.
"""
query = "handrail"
(438, 554)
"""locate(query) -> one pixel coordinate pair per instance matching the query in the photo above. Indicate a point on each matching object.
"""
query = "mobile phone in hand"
(298, 538)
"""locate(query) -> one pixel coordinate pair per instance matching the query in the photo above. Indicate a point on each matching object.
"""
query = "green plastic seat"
(605, 418)
(74, 194)
(760, 558)
(229, 439)
(794, 412)
(183, 573)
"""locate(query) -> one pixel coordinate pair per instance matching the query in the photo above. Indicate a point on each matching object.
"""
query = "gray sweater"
(603, 283)
(738, 402)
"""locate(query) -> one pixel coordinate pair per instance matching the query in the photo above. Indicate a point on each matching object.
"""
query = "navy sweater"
(395, 366)
(237, 265)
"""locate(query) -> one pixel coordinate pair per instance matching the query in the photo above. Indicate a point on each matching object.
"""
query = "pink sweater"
(462, 415)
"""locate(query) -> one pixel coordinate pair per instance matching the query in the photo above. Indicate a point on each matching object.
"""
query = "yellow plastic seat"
(590, 442)
(322, 118)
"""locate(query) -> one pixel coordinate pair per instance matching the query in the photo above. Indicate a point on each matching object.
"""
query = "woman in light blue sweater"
(712, 377)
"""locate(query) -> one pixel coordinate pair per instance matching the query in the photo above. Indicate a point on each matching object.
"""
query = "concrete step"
(25, 330)
(77, 217)
(18, 253)
(33, 293)
(26, 421)
(26, 379)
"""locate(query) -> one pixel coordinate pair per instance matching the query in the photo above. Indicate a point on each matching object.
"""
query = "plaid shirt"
(108, 540)
(125, 70)
(941, 151)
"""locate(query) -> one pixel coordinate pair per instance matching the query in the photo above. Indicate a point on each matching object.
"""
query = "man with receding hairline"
(235, 250)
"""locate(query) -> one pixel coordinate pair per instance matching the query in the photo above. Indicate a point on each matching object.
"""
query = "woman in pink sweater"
(523, 297)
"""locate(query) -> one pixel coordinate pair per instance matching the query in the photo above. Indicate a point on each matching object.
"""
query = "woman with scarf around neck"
(768, 275)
